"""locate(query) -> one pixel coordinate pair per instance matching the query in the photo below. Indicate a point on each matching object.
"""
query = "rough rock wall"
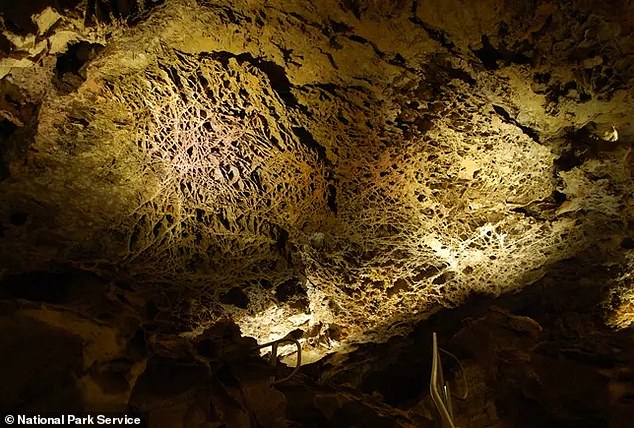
(341, 167)
(527, 360)
(535, 358)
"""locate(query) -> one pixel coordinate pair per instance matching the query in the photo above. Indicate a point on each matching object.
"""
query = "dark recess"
(16, 136)
(75, 57)
(541, 78)
(510, 120)
(6, 131)
(396, 384)
(332, 198)
(206, 348)
(5, 45)
(69, 67)
(579, 146)
(358, 39)
(289, 289)
(434, 33)
(490, 56)
(354, 6)
(559, 197)
(18, 218)
(627, 243)
(306, 138)
(17, 14)
(340, 27)
(235, 297)
(276, 74)
(105, 10)
(281, 240)
(41, 286)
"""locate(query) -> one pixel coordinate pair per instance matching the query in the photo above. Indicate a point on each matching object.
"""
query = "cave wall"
(536, 358)
(346, 168)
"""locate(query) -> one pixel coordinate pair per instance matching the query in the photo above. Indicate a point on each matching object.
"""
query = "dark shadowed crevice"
(18, 218)
(353, 6)
(5, 45)
(69, 69)
(17, 128)
(293, 292)
(276, 74)
(627, 243)
(491, 57)
(488, 54)
(6, 131)
(235, 297)
(332, 198)
(41, 286)
(306, 138)
(434, 33)
(17, 14)
(38, 286)
(506, 117)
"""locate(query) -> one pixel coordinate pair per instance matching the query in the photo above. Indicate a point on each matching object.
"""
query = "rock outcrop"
(339, 170)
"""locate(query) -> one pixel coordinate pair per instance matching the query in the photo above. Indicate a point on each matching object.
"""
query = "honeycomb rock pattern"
(345, 169)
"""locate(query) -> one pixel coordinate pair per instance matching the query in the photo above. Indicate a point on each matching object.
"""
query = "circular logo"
(9, 419)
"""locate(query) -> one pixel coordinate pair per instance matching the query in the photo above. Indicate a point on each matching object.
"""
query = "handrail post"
(273, 359)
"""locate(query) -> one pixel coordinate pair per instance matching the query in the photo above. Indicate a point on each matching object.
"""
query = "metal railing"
(273, 359)
(439, 389)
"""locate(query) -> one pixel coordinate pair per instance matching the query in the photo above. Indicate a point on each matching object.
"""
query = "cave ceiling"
(346, 168)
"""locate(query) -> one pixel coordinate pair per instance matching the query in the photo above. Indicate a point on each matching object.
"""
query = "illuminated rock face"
(346, 168)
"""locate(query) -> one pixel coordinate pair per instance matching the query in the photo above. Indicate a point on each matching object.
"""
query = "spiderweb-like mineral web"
(230, 179)
(430, 219)
(296, 166)
(248, 219)
(348, 210)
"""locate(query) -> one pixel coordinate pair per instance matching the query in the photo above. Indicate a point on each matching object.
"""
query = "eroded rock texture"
(345, 168)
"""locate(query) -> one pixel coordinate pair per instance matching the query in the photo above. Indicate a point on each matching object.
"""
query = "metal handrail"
(464, 376)
(273, 359)
(439, 390)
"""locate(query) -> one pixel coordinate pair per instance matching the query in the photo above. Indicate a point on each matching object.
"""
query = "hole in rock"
(18, 218)
(288, 289)
(69, 66)
(235, 297)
